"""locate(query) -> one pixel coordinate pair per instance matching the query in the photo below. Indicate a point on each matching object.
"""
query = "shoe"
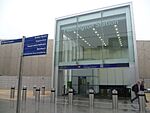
(147, 101)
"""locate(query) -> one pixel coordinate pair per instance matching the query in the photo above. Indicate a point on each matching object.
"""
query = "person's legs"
(136, 96)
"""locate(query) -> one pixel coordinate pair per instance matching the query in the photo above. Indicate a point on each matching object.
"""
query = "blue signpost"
(36, 45)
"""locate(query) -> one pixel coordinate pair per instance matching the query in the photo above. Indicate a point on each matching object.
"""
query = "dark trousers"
(136, 97)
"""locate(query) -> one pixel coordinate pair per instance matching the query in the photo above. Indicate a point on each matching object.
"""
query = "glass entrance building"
(95, 49)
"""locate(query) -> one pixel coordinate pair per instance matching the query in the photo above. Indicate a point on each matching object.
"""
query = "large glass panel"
(68, 43)
(89, 37)
(99, 38)
(115, 39)
(131, 35)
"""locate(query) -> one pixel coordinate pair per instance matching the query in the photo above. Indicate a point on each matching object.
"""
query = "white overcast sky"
(34, 17)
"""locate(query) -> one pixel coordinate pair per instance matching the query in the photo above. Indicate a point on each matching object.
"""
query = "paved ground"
(79, 106)
(5, 94)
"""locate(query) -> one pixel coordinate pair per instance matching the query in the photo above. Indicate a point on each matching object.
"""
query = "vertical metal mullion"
(102, 37)
(77, 42)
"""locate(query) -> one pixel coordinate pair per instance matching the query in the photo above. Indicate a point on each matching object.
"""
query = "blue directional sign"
(36, 45)
(3, 42)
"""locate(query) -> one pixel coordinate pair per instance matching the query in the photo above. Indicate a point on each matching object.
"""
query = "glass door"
(82, 85)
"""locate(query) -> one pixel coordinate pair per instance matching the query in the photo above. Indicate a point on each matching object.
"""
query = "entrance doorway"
(82, 85)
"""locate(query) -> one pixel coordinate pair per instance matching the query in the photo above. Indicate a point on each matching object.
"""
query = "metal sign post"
(20, 79)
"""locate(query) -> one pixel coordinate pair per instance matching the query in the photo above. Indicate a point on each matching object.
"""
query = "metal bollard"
(12, 92)
(52, 95)
(141, 101)
(37, 95)
(70, 96)
(43, 90)
(34, 90)
(24, 93)
(115, 99)
(91, 97)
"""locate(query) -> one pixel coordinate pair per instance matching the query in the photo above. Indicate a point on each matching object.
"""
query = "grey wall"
(37, 70)
(143, 52)
(39, 65)
(9, 59)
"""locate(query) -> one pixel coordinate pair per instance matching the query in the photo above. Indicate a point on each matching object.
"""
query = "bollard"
(70, 96)
(37, 95)
(37, 100)
(24, 93)
(34, 90)
(43, 90)
(141, 101)
(52, 95)
(12, 92)
(114, 99)
(91, 97)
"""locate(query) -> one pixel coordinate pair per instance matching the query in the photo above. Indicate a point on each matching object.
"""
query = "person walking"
(136, 89)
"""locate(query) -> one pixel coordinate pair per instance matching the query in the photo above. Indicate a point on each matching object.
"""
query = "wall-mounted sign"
(36, 45)
(116, 65)
(10, 41)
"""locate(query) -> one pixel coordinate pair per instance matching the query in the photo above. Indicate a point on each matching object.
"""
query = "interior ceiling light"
(80, 37)
(118, 35)
(93, 29)
(97, 34)
(64, 36)
(115, 25)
